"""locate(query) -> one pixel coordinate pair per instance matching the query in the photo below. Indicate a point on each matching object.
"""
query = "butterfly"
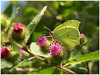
(68, 33)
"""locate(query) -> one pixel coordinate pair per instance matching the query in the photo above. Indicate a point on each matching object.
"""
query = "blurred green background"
(58, 12)
(87, 12)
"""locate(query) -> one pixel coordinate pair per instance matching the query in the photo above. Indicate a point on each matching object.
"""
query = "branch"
(68, 71)
(42, 59)
(36, 56)
(59, 68)
(51, 32)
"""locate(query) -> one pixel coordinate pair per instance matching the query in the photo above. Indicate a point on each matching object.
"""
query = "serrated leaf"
(35, 49)
(68, 33)
(5, 64)
(83, 58)
(36, 20)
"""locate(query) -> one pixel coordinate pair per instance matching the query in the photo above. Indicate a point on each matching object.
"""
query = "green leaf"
(37, 50)
(36, 20)
(36, 63)
(83, 58)
(14, 15)
(48, 70)
(7, 31)
(91, 64)
(44, 71)
(5, 64)
(68, 33)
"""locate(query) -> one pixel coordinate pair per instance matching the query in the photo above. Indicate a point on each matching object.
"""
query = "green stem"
(42, 59)
(59, 68)
(14, 42)
(87, 65)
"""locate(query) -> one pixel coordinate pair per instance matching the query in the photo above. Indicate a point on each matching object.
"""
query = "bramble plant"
(54, 51)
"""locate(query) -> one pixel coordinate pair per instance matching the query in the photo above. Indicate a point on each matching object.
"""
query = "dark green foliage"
(86, 57)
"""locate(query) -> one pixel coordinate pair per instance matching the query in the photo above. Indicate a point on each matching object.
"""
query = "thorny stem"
(59, 68)
(42, 59)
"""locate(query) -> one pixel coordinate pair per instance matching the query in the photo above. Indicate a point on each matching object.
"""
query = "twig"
(59, 68)
(51, 33)
(42, 59)
(48, 29)
(36, 56)
(31, 58)
(65, 70)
